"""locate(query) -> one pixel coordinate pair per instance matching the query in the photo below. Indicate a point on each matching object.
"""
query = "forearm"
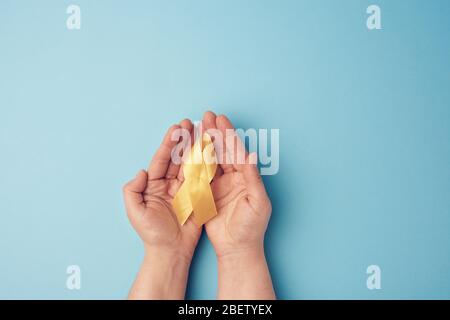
(245, 275)
(162, 276)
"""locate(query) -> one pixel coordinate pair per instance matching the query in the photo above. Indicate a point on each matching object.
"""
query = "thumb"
(133, 190)
(253, 180)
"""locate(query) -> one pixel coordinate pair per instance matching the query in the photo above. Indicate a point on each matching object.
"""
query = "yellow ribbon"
(195, 196)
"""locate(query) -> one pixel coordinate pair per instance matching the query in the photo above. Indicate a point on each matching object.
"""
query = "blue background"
(364, 137)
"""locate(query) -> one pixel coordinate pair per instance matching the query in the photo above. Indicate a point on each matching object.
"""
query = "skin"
(237, 232)
(168, 246)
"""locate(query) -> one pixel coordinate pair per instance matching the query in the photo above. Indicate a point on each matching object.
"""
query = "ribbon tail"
(181, 204)
(205, 209)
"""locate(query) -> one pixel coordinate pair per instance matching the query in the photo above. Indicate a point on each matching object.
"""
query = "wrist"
(246, 253)
(166, 255)
(244, 274)
(163, 275)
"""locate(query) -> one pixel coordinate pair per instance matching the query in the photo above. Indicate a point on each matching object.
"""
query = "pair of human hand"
(236, 233)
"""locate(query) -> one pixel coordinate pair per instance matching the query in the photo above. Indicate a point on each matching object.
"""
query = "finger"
(209, 124)
(253, 181)
(173, 170)
(219, 172)
(161, 160)
(209, 121)
(228, 143)
(186, 151)
(133, 190)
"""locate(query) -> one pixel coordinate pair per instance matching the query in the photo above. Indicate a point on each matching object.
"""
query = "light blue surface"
(364, 119)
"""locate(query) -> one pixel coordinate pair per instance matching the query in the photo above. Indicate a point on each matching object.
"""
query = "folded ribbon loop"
(195, 196)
